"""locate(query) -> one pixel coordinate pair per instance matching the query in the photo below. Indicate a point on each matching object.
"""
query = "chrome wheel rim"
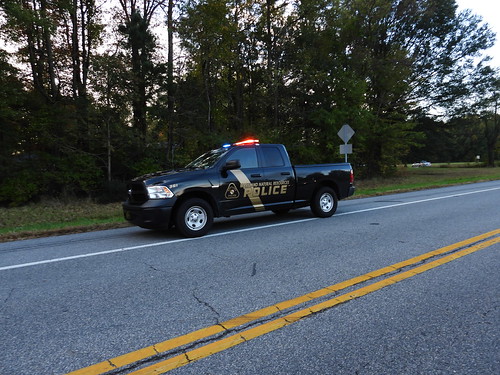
(326, 202)
(195, 218)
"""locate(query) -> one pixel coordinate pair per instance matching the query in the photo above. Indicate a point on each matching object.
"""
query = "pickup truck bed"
(235, 179)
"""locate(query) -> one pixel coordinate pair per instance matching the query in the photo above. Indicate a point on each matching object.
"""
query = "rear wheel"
(194, 217)
(324, 202)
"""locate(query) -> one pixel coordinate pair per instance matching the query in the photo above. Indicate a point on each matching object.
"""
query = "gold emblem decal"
(243, 179)
(232, 192)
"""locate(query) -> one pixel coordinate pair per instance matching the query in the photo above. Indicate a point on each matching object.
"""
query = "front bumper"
(153, 214)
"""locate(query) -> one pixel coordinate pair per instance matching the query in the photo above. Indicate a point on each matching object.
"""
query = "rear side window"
(272, 157)
(246, 156)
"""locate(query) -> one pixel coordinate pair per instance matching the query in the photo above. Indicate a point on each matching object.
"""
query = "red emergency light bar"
(247, 142)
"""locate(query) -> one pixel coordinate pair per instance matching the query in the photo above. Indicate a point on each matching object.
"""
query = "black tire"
(324, 202)
(194, 217)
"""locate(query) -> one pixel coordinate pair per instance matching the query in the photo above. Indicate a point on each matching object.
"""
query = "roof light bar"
(247, 142)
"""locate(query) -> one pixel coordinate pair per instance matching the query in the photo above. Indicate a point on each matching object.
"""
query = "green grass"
(408, 179)
(53, 217)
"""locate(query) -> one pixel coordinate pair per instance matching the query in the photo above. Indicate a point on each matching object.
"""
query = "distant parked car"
(421, 163)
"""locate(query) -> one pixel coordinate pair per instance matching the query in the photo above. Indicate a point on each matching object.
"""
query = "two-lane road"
(265, 294)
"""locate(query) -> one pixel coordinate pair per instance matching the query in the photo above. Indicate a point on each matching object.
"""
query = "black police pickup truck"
(235, 179)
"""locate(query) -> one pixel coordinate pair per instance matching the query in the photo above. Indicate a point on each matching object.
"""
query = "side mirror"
(230, 165)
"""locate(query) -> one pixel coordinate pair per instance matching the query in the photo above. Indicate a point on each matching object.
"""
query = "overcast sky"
(489, 10)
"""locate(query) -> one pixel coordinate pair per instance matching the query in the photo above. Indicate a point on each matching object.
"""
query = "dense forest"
(94, 92)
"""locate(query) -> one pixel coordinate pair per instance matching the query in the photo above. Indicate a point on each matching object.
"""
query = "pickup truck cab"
(235, 179)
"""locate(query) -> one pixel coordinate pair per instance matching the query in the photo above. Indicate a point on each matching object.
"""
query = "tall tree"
(207, 34)
(108, 77)
(55, 39)
(170, 81)
(136, 27)
(12, 111)
(274, 30)
(485, 103)
(82, 33)
(31, 22)
(414, 55)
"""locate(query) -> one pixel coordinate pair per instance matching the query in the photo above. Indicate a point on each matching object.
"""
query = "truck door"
(278, 188)
(237, 187)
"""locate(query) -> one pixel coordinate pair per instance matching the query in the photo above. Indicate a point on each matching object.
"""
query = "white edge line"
(123, 249)
(419, 201)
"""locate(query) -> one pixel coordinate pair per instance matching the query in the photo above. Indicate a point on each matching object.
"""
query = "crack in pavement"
(152, 267)
(9, 296)
(200, 301)
(346, 288)
(112, 364)
(254, 270)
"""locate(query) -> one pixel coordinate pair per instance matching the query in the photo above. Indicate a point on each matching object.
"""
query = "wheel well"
(197, 194)
(329, 184)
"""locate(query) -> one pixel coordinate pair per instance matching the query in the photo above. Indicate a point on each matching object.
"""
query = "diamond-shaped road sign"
(345, 133)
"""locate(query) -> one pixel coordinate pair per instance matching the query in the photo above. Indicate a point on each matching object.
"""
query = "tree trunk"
(53, 88)
(492, 133)
(170, 83)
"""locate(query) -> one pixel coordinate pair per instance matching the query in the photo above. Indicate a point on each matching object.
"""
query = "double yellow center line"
(249, 326)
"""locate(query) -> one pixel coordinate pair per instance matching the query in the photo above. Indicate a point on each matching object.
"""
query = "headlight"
(159, 192)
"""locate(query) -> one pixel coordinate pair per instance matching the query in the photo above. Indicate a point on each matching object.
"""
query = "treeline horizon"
(85, 106)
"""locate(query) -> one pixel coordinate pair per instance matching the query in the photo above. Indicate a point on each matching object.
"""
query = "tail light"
(351, 180)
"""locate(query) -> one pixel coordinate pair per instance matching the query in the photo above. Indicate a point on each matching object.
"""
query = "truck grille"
(137, 193)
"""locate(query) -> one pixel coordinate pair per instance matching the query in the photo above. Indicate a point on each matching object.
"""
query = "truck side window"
(246, 156)
(272, 157)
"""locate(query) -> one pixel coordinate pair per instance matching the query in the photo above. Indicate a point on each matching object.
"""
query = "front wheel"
(324, 202)
(194, 217)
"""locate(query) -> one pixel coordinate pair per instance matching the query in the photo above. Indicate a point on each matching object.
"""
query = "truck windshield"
(208, 159)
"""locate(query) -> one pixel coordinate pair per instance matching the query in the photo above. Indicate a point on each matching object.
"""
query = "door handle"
(285, 173)
(255, 175)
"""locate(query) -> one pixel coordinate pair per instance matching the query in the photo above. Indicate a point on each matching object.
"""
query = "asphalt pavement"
(77, 300)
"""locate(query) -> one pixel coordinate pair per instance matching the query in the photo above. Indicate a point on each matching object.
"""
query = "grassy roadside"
(408, 179)
(56, 217)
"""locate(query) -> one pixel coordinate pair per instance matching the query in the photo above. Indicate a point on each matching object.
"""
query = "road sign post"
(345, 133)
